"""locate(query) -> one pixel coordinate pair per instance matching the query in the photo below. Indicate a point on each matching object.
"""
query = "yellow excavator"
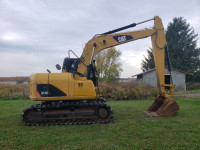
(72, 96)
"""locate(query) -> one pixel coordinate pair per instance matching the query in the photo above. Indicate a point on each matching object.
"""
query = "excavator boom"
(164, 104)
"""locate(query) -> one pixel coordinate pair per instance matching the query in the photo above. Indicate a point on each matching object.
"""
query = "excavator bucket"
(163, 106)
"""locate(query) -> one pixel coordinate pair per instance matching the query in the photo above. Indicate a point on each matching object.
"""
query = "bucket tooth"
(163, 106)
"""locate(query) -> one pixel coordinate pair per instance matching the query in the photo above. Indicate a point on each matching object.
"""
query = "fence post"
(8, 93)
(23, 91)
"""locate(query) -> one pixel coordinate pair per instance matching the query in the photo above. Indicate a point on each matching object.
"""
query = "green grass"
(129, 129)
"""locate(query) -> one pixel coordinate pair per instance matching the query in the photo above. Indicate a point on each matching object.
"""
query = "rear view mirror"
(58, 67)
(48, 71)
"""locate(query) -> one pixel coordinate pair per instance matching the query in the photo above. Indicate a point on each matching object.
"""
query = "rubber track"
(100, 103)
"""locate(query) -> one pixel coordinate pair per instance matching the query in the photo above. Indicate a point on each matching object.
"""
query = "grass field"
(129, 129)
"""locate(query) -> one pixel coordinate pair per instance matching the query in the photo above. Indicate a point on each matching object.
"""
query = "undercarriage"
(68, 112)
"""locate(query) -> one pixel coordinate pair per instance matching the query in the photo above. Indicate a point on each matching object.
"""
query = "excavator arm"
(103, 41)
(164, 104)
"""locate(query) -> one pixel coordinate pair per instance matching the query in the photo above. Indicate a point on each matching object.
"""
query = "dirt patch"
(188, 95)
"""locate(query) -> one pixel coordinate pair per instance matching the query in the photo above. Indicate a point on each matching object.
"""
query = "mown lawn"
(129, 129)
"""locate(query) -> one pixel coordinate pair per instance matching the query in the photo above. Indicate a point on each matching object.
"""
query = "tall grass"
(126, 91)
(14, 91)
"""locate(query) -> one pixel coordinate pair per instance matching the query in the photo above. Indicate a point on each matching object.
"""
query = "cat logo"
(122, 38)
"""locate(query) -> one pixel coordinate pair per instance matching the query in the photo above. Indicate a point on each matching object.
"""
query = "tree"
(108, 65)
(182, 46)
(148, 62)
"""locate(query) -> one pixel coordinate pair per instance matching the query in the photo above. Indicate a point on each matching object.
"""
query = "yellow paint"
(74, 89)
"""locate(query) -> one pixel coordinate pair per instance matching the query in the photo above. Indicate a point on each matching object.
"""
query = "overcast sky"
(36, 34)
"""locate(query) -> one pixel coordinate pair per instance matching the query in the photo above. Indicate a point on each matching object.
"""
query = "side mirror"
(48, 71)
(58, 67)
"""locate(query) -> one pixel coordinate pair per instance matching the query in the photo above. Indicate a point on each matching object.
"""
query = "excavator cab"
(70, 65)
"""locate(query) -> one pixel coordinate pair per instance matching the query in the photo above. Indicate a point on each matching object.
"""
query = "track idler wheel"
(163, 106)
(103, 113)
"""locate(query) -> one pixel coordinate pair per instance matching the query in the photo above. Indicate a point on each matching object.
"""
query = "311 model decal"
(122, 38)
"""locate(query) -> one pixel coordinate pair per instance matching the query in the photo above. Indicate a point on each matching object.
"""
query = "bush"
(14, 91)
(125, 91)
(193, 86)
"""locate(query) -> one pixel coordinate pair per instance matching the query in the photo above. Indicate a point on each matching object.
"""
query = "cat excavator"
(72, 96)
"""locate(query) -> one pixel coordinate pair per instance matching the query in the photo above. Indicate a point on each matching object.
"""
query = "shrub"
(193, 86)
(14, 91)
(125, 91)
